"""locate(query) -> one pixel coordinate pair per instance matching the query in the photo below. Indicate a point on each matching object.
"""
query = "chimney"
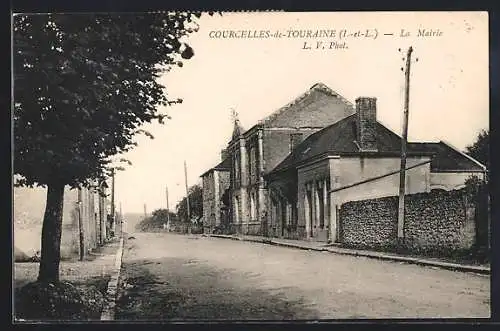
(295, 140)
(223, 154)
(366, 114)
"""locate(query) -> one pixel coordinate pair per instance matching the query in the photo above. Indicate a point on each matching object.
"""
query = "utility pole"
(121, 219)
(103, 210)
(187, 192)
(113, 221)
(168, 209)
(404, 140)
(145, 212)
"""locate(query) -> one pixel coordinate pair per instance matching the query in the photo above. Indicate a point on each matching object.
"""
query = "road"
(180, 277)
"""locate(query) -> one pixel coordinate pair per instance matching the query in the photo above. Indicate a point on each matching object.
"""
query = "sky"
(449, 96)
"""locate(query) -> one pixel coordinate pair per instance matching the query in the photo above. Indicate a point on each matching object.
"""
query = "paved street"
(171, 276)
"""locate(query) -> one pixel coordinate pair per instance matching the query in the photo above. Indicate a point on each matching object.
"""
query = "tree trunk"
(51, 234)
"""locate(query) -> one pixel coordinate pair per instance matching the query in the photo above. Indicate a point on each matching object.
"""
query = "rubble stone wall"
(438, 220)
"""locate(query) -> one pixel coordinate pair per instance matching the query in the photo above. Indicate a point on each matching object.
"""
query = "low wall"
(254, 228)
(435, 221)
(28, 213)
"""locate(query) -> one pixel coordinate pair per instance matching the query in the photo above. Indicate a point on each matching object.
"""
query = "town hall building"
(290, 173)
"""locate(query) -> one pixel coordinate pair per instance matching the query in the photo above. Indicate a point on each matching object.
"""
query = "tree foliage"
(156, 220)
(480, 149)
(84, 84)
(195, 204)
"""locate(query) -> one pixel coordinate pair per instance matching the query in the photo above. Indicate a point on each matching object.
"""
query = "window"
(236, 210)
(256, 163)
(253, 168)
(252, 206)
(250, 164)
(236, 170)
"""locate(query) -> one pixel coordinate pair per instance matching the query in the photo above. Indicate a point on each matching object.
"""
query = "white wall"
(28, 212)
(451, 180)
(349, 170)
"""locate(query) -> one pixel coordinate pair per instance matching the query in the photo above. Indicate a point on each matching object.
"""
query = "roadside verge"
(108, 313)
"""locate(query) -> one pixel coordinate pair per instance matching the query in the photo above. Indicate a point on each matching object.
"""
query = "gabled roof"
(300, 103)
(342, 108)
(340, 139)
(225, 165)
(446, 157)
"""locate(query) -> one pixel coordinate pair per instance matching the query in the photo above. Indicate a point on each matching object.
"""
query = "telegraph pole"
(404, 140)
(113, 221)
(187, 191)
(121, 219)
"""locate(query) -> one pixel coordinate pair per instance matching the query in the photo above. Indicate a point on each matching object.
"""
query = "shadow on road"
(178, 289)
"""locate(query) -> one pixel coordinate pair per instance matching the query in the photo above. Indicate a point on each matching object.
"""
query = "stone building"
(215, 184)
(356, 158)
(290, 173)
(255, 152)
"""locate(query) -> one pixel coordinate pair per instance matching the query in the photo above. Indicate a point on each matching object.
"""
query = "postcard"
(251, 166)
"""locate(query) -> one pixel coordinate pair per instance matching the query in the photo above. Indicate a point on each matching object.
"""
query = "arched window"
(253, 209)
(236, 210)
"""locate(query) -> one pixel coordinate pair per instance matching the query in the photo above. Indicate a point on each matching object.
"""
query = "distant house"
(215, 183)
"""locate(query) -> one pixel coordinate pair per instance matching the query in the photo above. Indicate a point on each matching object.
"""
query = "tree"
(156, 220)
(195, 204)
(84, 84)
(480, 149)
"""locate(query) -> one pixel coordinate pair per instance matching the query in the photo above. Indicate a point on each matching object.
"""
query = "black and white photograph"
(176, 166)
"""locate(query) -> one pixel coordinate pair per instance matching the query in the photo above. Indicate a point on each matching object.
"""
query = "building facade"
(291, 172)
(215, 186)
(357, 158)
(257, 151)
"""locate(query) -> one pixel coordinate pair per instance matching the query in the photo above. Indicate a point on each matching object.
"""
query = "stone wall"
(317, 109)
(313, 112)
(208, 201)
(277, 144)
(254, 229)
(223, 182)
(435, 221)
(215, 183)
